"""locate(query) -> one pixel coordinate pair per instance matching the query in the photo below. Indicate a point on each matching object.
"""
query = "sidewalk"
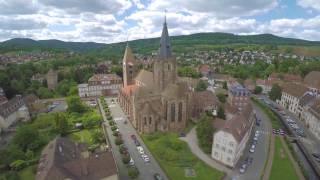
(192, 141)
(268, 168)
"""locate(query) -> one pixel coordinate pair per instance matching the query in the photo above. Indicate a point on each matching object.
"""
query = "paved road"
(260, 155)
(255, 170)
(310, 142)
(147, 170)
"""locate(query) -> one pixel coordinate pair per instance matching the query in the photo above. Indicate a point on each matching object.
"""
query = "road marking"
(111, 106)
(118, 119)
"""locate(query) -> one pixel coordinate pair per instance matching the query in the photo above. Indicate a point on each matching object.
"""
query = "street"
(147, 170)
(309, 141)
(260, 155)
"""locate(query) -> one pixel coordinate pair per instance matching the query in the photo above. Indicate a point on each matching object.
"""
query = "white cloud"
(18, 7)
(220, 8)
(313, 4)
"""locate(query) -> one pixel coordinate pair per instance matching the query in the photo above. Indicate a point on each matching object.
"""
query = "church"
(157, 100)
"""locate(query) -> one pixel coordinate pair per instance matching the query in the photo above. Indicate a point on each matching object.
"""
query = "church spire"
(128, 55)
(165, 46)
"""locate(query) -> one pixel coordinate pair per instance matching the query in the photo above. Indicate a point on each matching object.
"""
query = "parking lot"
(141, 157)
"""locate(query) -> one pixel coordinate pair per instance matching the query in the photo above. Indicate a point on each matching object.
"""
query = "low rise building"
(312, 81)
(101, 84)
(311, 117)
(231, 136)
(238, 96)
(204, 101)
(13, 111)
(64, 159)
(291, 96)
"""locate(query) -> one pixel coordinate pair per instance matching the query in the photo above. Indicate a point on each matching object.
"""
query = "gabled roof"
(239, 124)
(294, 89)
(313, 79)
(64, 159)
(165, 46)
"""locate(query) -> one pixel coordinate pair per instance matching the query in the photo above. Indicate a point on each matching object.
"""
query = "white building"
(231, 138)
(13, 111)
(101, 84)
(291, 95)
(312, 118)
(312, 81)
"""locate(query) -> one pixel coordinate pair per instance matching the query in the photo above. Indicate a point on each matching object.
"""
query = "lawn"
(282, 168)
(174, 156)
(27, 173)
(82, 136)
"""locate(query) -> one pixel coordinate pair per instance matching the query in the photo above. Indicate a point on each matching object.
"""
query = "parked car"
(136, 142)
(243, 168)
(140, 149)
(316, 156)
(248, 160)
(157, 176)
(131, 162)
(252, 148)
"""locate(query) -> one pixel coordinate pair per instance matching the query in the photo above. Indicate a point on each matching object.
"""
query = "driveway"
(147, 170)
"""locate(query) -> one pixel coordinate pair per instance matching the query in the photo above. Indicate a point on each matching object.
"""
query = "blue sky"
(114, 20)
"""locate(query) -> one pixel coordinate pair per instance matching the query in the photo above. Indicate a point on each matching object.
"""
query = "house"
(38, 77)
(249, 84)
(291, 95)
(205, 70)
(311, 117)
(63, 159)
(312, 81)
(100, 84)
(231, 136)
(238, 96)
(34, 104)
(204, 101)
(13, 111)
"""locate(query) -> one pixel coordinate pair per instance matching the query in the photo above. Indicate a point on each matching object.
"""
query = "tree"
(126, 159)
(75, 104)
(205, 133)
(220, 113)
(44, 92)
(275, 92)
(202, 85)
(225, 85)
(133, 172)
(221, 97)
(27, 137)
(257, 90)
(61, 124)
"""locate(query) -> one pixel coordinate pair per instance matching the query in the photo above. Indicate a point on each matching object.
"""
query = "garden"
(176, 159)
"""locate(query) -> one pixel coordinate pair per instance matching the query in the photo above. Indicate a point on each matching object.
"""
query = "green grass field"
(82, 136)
(174, 156)
(27, 173)
(282, 168)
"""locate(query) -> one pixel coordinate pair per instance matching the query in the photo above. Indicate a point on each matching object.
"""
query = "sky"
(109, 21)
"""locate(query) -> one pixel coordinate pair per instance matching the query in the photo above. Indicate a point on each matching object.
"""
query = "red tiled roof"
(128, 90)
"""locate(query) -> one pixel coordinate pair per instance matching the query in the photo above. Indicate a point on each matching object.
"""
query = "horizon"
(98, 21)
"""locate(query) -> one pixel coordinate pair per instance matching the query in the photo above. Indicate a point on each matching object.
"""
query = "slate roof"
(63, 159)
(165, 46)
(306, 99)
(128, 55)
(11, 106)
(313, 79)
(315, 108)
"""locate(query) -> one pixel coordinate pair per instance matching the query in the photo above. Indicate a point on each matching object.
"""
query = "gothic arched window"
(180, 112)
(173, 112)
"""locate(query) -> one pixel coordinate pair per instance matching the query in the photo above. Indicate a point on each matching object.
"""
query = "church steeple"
(165, 46)
(128, 55)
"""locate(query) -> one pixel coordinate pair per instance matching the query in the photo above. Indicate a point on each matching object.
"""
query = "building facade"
(232, 136)
(13, 111)
(312, 81)
(311, 117)
(52, 79)
(238, 96)
(101, 84)
(155, 100)
(291, 95)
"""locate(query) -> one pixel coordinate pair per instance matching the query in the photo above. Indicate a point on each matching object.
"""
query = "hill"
(29, 44)
(148, 45)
